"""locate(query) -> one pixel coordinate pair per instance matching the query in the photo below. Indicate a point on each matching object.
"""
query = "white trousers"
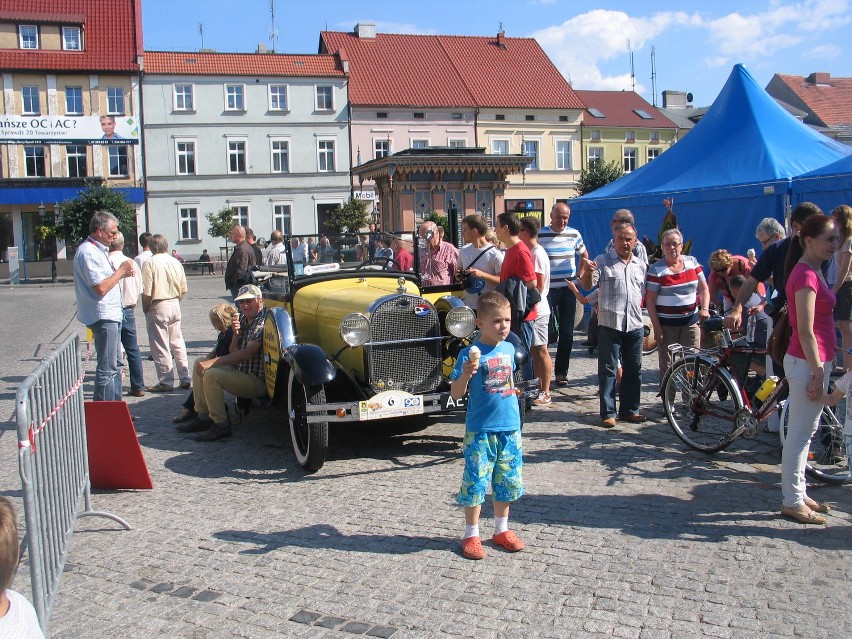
(164, 334)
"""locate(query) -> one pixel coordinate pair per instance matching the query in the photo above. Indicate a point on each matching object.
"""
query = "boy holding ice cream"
(492, 441)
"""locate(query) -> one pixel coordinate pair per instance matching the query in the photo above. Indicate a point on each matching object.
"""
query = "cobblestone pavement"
(628, 533)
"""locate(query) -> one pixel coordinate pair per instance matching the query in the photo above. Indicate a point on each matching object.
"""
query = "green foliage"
(73, 224)
(348, 218)
(655, 250)
(597, 175)
(440, 220)
(221, 223)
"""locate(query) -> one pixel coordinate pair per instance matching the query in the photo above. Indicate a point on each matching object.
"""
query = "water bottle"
(751, 325)
(766, 388)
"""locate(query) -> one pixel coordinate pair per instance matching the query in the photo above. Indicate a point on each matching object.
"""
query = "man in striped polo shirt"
(563, 245)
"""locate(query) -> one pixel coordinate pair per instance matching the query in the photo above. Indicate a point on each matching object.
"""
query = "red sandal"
(509, 541)
(472, 548)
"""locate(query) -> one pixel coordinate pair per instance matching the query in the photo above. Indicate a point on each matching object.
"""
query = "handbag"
(779, 340)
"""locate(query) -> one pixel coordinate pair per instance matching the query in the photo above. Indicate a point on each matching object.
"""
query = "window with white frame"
(563, 155)
(325, 98)
(115, 100)
(325, 155)
(188, 217)
(30, 101)
(282, 218)
(596, 154)
(630, 136)
(457, 143)
(595, 135)
(118, 160)
(74, 100)
(236, 156)
(71, 40)
(381, 149)
(280, 150)
(241, 214)
(629, 159)
(653, 154)
(34, 161)
(235, 97)
(530, 149)
(28, 36)
(185, 157)
(277, 97)
(655, 136)
(76, 157)
(184, 97)
(419, 144)
(499, 147)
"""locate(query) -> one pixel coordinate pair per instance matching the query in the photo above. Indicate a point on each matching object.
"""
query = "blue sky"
(696, 42)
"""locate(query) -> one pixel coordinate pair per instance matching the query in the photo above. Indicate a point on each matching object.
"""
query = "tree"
(348, 218)
(221, 223)
(440, 220)
(597, 175)
(73, 225)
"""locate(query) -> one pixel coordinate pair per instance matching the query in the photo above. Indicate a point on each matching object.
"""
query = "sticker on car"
(388, 404)
(421, 310)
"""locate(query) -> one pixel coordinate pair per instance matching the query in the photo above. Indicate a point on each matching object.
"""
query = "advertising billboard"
(69, 129)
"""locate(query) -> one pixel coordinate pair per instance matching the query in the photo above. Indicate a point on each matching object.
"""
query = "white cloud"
(823, 52)
(580, 44)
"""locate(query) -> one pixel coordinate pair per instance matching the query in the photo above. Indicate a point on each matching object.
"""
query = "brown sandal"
(803, 514)
(816, 506)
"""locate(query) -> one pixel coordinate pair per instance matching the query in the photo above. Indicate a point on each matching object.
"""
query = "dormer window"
(71, 40)
(28, 36)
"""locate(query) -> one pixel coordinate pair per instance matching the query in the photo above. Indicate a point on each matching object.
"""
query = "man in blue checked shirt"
(563, 245)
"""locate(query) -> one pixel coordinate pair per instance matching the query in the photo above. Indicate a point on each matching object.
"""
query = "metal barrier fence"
(54, 465)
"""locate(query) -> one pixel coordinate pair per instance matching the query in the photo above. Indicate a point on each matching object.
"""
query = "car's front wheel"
(310, 440)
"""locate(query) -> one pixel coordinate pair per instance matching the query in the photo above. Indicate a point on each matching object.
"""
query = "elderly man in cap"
(240, 372)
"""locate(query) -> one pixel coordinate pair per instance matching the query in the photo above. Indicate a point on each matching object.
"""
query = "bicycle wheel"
(827, 456)
(700, 404)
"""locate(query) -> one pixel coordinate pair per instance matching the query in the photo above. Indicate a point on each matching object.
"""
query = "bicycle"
(705, 394)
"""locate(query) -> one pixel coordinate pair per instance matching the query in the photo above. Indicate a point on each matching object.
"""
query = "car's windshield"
(370, 251)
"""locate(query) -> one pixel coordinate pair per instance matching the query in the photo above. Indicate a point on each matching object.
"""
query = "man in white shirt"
(131, 288)
(277, 255)
(530, 227)
(145, 255)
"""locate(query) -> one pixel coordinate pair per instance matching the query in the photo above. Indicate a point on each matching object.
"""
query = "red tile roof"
(619, 109)
(450, 71)
(193, 63)
(830, 100)
(112, 40)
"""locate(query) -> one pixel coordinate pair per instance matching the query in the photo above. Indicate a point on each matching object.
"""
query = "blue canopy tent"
(732, 170)
(827, 187)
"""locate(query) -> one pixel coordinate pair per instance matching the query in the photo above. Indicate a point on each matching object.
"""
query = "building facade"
(826, 101)
(622, 126)
(70, 114)
(503, 94)
(263, 134)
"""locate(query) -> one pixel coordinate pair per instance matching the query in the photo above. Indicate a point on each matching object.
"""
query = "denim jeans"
(563, 305)
(613, 346)
(131, 347)
(107, 335)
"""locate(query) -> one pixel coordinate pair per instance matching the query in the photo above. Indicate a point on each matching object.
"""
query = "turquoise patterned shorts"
(491, 458)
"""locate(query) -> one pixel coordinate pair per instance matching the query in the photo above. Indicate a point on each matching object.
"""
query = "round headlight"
(461, 322)
(355, 329)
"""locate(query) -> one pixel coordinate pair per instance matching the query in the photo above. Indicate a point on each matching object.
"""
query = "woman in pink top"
(810, 302)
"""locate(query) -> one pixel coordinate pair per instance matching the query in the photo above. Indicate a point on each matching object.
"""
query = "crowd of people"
(521, 277)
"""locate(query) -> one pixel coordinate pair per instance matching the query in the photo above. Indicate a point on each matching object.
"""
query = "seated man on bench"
(240, 372)
(206, 263)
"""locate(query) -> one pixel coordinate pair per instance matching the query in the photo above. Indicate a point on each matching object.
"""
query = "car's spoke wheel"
(310, 440)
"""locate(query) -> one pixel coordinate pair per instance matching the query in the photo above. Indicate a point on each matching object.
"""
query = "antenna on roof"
(632, 74)
(273, 34)
(653, 77)
(201, 33)
(500, 28)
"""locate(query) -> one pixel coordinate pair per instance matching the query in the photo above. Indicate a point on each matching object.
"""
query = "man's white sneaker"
(543, 399)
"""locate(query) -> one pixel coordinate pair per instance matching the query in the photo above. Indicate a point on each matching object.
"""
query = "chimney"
(674, 100)
(819, 79)
(261, 48)
(365, 30)
(344, 59)
(501, 39)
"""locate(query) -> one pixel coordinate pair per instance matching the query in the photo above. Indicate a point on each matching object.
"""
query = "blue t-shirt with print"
(492, 404)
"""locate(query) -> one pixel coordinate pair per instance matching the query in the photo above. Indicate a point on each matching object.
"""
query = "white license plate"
(389, 404)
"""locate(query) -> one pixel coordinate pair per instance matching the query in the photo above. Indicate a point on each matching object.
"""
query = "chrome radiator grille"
(415, 366)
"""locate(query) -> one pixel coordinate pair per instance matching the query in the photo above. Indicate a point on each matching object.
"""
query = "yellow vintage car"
(351, 340)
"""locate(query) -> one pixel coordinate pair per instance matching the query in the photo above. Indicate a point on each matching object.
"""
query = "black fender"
(309, 364)
(522, 354)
